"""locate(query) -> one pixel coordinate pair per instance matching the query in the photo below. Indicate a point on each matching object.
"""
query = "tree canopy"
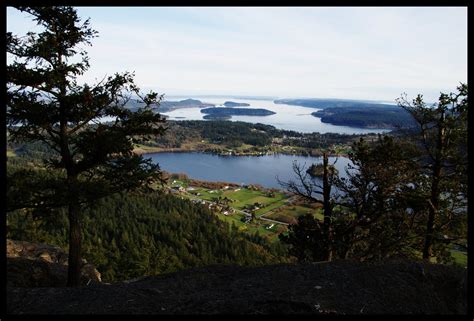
(404, 195)
(45, 102)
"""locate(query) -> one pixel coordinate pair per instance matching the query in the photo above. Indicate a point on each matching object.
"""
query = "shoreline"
(157, 150)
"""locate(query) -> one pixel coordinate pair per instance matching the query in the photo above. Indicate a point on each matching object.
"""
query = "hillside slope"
(337, 287)
(131, 235)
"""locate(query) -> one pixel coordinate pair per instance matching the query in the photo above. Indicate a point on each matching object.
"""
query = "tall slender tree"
(92, 159)
(312, 191)
(374, 197)
(442, 135)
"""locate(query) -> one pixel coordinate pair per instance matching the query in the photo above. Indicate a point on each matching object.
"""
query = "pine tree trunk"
(75, 244)
(433, 209)
(434, 198)
(327, 208)
(428, 246)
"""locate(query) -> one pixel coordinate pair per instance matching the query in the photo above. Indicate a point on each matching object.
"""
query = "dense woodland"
(135, 234)
(230, 133)
(367, 116)
(129, 236)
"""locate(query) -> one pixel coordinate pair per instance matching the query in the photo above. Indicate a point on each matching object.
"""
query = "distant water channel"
(261, 170)
(287, 117)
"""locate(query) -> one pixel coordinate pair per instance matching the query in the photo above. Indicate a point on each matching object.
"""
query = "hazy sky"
(364, 53)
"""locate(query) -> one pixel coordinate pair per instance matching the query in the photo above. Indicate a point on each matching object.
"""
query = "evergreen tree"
(45, 103)
(380, 187)
(441, 133)
(307, 188)
(307, 240)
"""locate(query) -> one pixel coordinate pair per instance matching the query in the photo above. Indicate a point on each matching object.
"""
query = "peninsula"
(354, 113)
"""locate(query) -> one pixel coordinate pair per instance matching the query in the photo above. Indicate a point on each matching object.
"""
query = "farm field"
(261, 227)
(240, 198)
(290, 213)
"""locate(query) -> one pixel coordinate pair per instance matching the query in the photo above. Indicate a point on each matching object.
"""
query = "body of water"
(262, 170)
(287, 117)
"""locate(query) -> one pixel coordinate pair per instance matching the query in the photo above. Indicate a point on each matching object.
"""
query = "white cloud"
(371, 53)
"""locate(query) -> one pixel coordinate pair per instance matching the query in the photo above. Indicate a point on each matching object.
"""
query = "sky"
(373, 53)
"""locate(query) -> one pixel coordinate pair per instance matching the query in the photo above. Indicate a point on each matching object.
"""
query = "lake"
(261, 170)
(287, 117)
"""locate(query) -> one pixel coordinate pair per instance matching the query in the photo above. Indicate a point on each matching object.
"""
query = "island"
(366, 117)
(317, 170)
(168, 105)
(234, 104)
(222, 111)
(187, 103)
(355, 113)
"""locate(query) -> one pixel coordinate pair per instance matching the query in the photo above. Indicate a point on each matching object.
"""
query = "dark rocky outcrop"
(327, 288)
(42, 265)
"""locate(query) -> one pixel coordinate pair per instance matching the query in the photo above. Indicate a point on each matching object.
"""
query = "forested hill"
(366, 117)
(130, 236)
(354, 113)
(236, 133)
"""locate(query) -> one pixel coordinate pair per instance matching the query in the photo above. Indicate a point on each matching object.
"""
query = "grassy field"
(240, 199)
(10, 153)
(290, 213)
(459, 257)
(271, 234)
(271, 206)
(245, 197)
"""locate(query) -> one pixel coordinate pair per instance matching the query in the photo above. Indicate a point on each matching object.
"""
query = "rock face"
(327, 288)
(42, 265)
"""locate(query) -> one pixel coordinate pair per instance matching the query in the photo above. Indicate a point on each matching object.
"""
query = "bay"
(262, 170)
(286, 117)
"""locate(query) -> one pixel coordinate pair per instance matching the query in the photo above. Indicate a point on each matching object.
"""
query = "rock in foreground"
(42, 265)
(337, 287)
